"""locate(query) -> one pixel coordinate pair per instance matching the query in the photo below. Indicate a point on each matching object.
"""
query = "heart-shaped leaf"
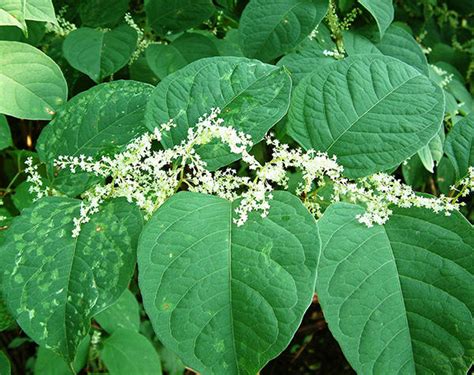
(227, 299)
(268, 29)
(459, 146)
(102, 119)
(100, 53)
(399, 297)
(382, 11)
(54, 283)
(31, 84)
(253, 97)
(371, 111)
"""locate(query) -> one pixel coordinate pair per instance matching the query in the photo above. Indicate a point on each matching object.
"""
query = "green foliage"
(97, 53)
(268, 29)
(253, 97)
(172, 282)
(68, 280)
(408, 305)
(346, 107)
(127, 352)
(237, 277)
(31, 84)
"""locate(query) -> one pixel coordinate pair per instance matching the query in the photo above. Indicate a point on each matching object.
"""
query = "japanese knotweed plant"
(252, 154)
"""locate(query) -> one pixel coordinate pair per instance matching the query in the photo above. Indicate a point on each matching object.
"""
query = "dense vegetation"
(182, 179)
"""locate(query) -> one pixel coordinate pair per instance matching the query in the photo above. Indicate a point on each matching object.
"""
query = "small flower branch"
(149, 177)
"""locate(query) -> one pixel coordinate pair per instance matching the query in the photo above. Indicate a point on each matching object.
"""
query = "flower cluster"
(149, 176)
(380, 191)
(34, 178)
(142, 41)
(63, 27)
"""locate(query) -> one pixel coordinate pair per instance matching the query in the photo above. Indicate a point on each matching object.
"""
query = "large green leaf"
(371, 111)
(127, 352)
(31, 84)
(227, 299)
(459, 146)
(396, 42)
(165, 59)
(5, 134)
(252, 96)
(177, 15)
(54, 283)
(125, 313)
(399, 297)
(268, 29)
(100, 53)
(16, 12)
(100, 120)
(382, 11)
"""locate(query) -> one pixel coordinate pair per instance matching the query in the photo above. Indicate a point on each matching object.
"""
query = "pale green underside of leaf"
(5, 134)
(16, 12)
(398, 297)
(459, 146)
(253, 97)
(371, 111)
(127, 352)
(396, 42)
(102, 119)
(54, 283)
(382, 11)
(125, 313)
(31, 84)
(227, 299)
(100, 53)
(432, 153)
(268, 29)
(177, 15)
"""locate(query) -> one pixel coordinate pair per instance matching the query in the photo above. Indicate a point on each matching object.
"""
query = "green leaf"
(127, 352)
(165, 59)
(39, 10)
(459, 146)
(49, 363)
(16, 12)
(31, 84)
(177, 15)
(22, 197)
(396, 42)
(5, 134)
(307, 58)
(54, 283)
(5, 368)
(268, 29)
(252, 96)
(382, 11)
(432, 153)
(398, 297)
(100, 53)
(102, 13)
(100, 120)
(12, 13)
(122, 314)
(227, 299)
(371, 111)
